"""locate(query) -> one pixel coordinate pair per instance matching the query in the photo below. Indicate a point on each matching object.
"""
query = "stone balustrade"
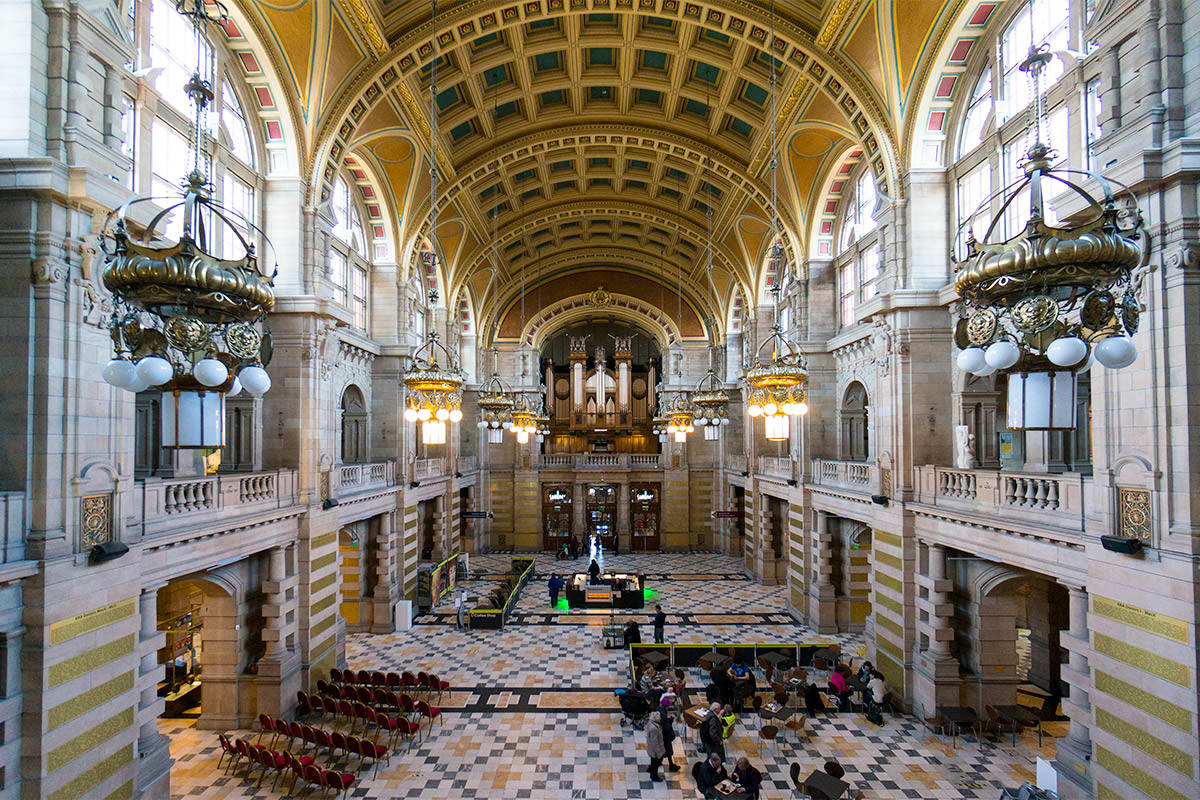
(861, 476)
(165, 502)
(607, 461)
(736, 463)
(776, 467)
(467, 464)
(429, 468)
(351, 478)
(1046, 498)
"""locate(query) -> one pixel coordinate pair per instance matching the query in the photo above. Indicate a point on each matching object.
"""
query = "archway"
(201, 658)
(855, 429)
(354, 426)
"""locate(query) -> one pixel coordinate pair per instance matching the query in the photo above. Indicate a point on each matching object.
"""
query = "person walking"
(711, 732)
(660, 623)
(668, 732)
(655, 748)
(554, 586)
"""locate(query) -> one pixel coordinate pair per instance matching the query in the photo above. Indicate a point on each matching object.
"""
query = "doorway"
(644, 516)
(556, 516)
(602, 514)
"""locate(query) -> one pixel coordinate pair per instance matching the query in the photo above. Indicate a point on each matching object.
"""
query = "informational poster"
(442, 579)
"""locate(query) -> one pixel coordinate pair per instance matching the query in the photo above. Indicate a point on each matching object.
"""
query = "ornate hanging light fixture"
(495, 403)
(710, 400)
(184, 319)
(524, 419)
(433, 393)
(680, 420)
(1041, 305)
(779, 387)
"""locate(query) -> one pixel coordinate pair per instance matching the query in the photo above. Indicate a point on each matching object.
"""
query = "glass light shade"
(691, 428)
(522, 436)
(971, 359)
(1067, 352)
(193, 419)
(495, 436)
(410, 415)
(1116, 352)
(802, 408)
(712, 432)
(155, 370)
(433, 432)
(424, 414)
(494, 424)
(210, 372)
(442, 414)
(119, 373)
(235, 388)
(754, 409)
(777, 427)
(456, 415)
(702, 420)
(138, 385)
(770, 409)
(680, 436)
(256, 380)
(1001, 355)
(1041, 401)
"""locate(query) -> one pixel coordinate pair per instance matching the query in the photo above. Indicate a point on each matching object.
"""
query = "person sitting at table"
(594, 571)
(724, 683)
(739, 674)
(711, 773)
(864, 676)
(728, 719)
(746, 776)
(646, 684)
(837, 685)
(812, 701)
(633, 634)
(877, 690)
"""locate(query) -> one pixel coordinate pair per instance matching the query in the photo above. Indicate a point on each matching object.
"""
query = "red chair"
(353, 748)
(347, 678)
(363, 695)
(329, 708)
(375, 752)
(408, 681)
(337, 741)
(295, 731)
(265, 723)
(243, 749)
(227, 749)
(409, 729)
(308, 735)
(271, 761)
(314, 776)
(321, 739)
(391, 700)
(338, 781)
(335, 675)
(378, 678)
(303, 706)
(393, 680)
(364, 677)
(426, 710)
(438, 685)
(423, 682)
(294, 765)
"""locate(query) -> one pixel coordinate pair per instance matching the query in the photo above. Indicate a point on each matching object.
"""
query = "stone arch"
(791, 45)
(854, 421)
(355, 425)
(220, 653)
(623, 307)
(835, 189)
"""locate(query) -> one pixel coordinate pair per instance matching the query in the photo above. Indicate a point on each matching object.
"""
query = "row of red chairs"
(343, 711)
(302, 768)
(421, 681)
(332, 741)
(370, 700)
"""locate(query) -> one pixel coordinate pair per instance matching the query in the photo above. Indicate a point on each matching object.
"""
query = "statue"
(964, 447)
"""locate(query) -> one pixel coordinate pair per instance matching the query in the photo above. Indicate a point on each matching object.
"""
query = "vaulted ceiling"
(610, 135)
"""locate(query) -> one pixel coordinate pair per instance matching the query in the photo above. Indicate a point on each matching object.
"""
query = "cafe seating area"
(530, 710)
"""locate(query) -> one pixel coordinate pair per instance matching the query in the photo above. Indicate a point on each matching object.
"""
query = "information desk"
(615, 590)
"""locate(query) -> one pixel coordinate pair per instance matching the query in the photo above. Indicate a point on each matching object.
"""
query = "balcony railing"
(467, 464)
(861, 476)
(735, 463)
(364, 477)
(165, 502)
(609, 461)
(429, 468)
(776, 467)
(1056, 499)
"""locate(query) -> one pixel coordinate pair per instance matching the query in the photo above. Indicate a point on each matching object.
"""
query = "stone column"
(936, 680)
(273, 609)
(578, 390)
(939, 642)
(822, 602)
(1074, 752)
(624, 518)
(154, 754)
(385, 593)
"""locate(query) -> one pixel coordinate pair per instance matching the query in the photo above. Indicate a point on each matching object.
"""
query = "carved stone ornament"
(95, 520)
(600, 297)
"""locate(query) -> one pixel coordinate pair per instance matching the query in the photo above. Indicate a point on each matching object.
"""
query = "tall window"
(858, 262)
(973, 190)
(1042, 21)
(173, 47)
(979, 115)
(1093, 106)
(858, 221)
(348, 254)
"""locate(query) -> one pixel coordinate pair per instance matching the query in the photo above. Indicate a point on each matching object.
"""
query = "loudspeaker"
(107, 551)
(791, 482)
(329, 502)
(1121, 544)
(879, 499)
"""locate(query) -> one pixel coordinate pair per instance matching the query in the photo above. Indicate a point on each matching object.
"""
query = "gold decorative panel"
(90, 621)
(95, 520)
(1133, 514)
(1142, 618)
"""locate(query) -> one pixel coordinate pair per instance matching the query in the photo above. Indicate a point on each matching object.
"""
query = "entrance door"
(644, 516)
(602, 514)
(556, 516)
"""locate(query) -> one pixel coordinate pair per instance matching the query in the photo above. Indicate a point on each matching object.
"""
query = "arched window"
(858, 221)
(855, 435)
(980, 115)
(348, 265)
(1041, 21)
(858, 262)
(354, 426)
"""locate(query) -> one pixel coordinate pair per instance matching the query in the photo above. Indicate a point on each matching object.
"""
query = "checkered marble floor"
(532, 714)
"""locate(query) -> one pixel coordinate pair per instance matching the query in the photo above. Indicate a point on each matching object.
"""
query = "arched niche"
(354, 419)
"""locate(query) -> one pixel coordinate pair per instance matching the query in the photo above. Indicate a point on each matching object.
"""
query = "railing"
(1056, 499)
(429, 468)
(165, 502)
(776, 467)
(12, 517)
(609, 461)
(860, 476)
(363, 477)
(736, 463)
(467, 464)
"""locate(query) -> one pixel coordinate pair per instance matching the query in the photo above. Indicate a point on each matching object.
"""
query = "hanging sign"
(476, 515)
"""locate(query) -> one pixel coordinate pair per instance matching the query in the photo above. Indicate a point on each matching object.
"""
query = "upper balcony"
(856, 476)
(352, 479)
(1053, 500)
(605, 461)
(213, 501)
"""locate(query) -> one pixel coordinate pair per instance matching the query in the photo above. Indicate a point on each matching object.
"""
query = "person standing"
(554, 586)
(711, 732)
(668, 732)
(660, 623)
(654, 745)
(462, 610)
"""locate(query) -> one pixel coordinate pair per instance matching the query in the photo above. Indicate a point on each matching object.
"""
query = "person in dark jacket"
(633, 634)
(711, 732)
(712, 772)
(594, 571)
(746, 776)
(660, 624)
(668, 732)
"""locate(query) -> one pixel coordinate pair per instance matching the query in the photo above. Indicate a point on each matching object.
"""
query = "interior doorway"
(556, 516)
(199, 662)
(645, 516)
(601, 515)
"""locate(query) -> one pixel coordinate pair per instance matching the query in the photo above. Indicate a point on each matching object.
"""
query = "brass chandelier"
(710, 400)
(1043, 304)
(495, 404)
(679, 418)
(433, 391)
(184, 319)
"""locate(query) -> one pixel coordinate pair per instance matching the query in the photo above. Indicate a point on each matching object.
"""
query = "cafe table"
(1024, 716)
(655, 658)
(776, 660)
(959, 718)
(727, 790)
(711, 661)
(822, 784)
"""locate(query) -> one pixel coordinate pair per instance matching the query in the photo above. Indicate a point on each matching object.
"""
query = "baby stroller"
(635, 707)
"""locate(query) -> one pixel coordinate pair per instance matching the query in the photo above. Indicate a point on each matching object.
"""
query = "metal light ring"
(187, 279)
(432, 382)
(495, 402)
(1050, 260)
(718, 398)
